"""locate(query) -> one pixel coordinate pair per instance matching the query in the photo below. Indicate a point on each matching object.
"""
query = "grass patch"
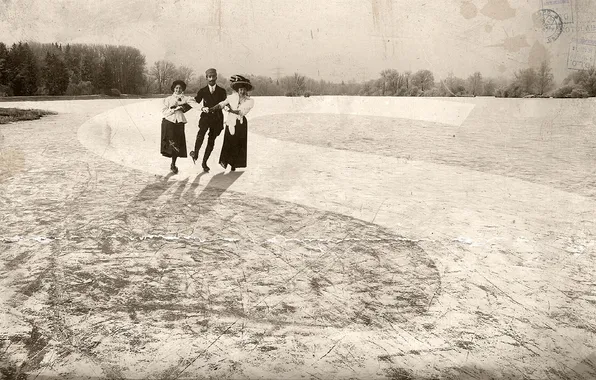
(9, 115)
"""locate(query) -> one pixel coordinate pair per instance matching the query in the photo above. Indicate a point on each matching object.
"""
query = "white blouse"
(176, 100)
(233, 101)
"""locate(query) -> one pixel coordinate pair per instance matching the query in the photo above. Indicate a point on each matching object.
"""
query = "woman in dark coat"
(236, 106)
(173, 138)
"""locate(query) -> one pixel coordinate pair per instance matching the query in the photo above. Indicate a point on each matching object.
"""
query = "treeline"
(83, 69)
(579, 84)
(162, 73)
(529, 82)
(77, 69)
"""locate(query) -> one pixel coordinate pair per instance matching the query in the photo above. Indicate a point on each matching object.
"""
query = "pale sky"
(324, 39)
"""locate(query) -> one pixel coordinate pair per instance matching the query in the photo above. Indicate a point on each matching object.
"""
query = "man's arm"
(199, 96)
(220, 105)
(223, 95)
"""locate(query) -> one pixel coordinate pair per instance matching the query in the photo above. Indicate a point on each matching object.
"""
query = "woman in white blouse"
(236, 106)
(173, 138)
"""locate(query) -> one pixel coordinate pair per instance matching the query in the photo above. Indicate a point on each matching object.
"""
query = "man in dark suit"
(210, 120)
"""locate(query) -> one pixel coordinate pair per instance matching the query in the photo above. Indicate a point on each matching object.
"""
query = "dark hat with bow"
(238, 81)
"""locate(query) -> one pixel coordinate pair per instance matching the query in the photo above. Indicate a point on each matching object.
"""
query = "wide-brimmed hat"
(238, 81)
(176, 83)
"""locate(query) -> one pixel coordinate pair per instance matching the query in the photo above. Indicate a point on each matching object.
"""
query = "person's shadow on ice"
(217, 185)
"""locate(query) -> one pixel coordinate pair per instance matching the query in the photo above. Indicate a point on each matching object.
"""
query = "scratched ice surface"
(354, 245)
(399, 238)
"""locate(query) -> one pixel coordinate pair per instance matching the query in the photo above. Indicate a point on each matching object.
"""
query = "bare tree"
(163, 72)
(294, 85)
(407, 79)
(453, 86)
(490, 87)
(475, 84)
(185, 73)
(544, 78)
(149, 82)
(403, 83)
(390, 81)
(525, 81)
(423, 79)
(299, 83)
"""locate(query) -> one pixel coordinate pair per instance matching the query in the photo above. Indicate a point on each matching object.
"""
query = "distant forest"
(83, 69)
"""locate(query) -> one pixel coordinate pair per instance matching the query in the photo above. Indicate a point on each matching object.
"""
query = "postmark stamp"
(585, 15)
(582, 54)
(550, 22)
(563, 8)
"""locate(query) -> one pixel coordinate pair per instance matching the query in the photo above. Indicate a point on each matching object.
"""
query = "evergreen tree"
(105, 76)
(72, 61)
(55, 75)
(3, 64)
(88, 67)
(22, 70)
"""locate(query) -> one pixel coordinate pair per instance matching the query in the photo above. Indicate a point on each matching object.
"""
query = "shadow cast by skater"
(218, 185)
(183, 190)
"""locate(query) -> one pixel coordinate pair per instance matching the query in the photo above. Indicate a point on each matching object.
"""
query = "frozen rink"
(463, 249)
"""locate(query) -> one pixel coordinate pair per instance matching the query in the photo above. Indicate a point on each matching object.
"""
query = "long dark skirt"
(173, 139)
(233, 150)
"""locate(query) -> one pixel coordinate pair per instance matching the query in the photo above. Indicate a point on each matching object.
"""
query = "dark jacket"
(209, 100)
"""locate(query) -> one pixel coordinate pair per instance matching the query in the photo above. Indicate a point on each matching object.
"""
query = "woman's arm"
(245, 107)
(188, 102)
(191, 101)
(221, 105)
(166, 110)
